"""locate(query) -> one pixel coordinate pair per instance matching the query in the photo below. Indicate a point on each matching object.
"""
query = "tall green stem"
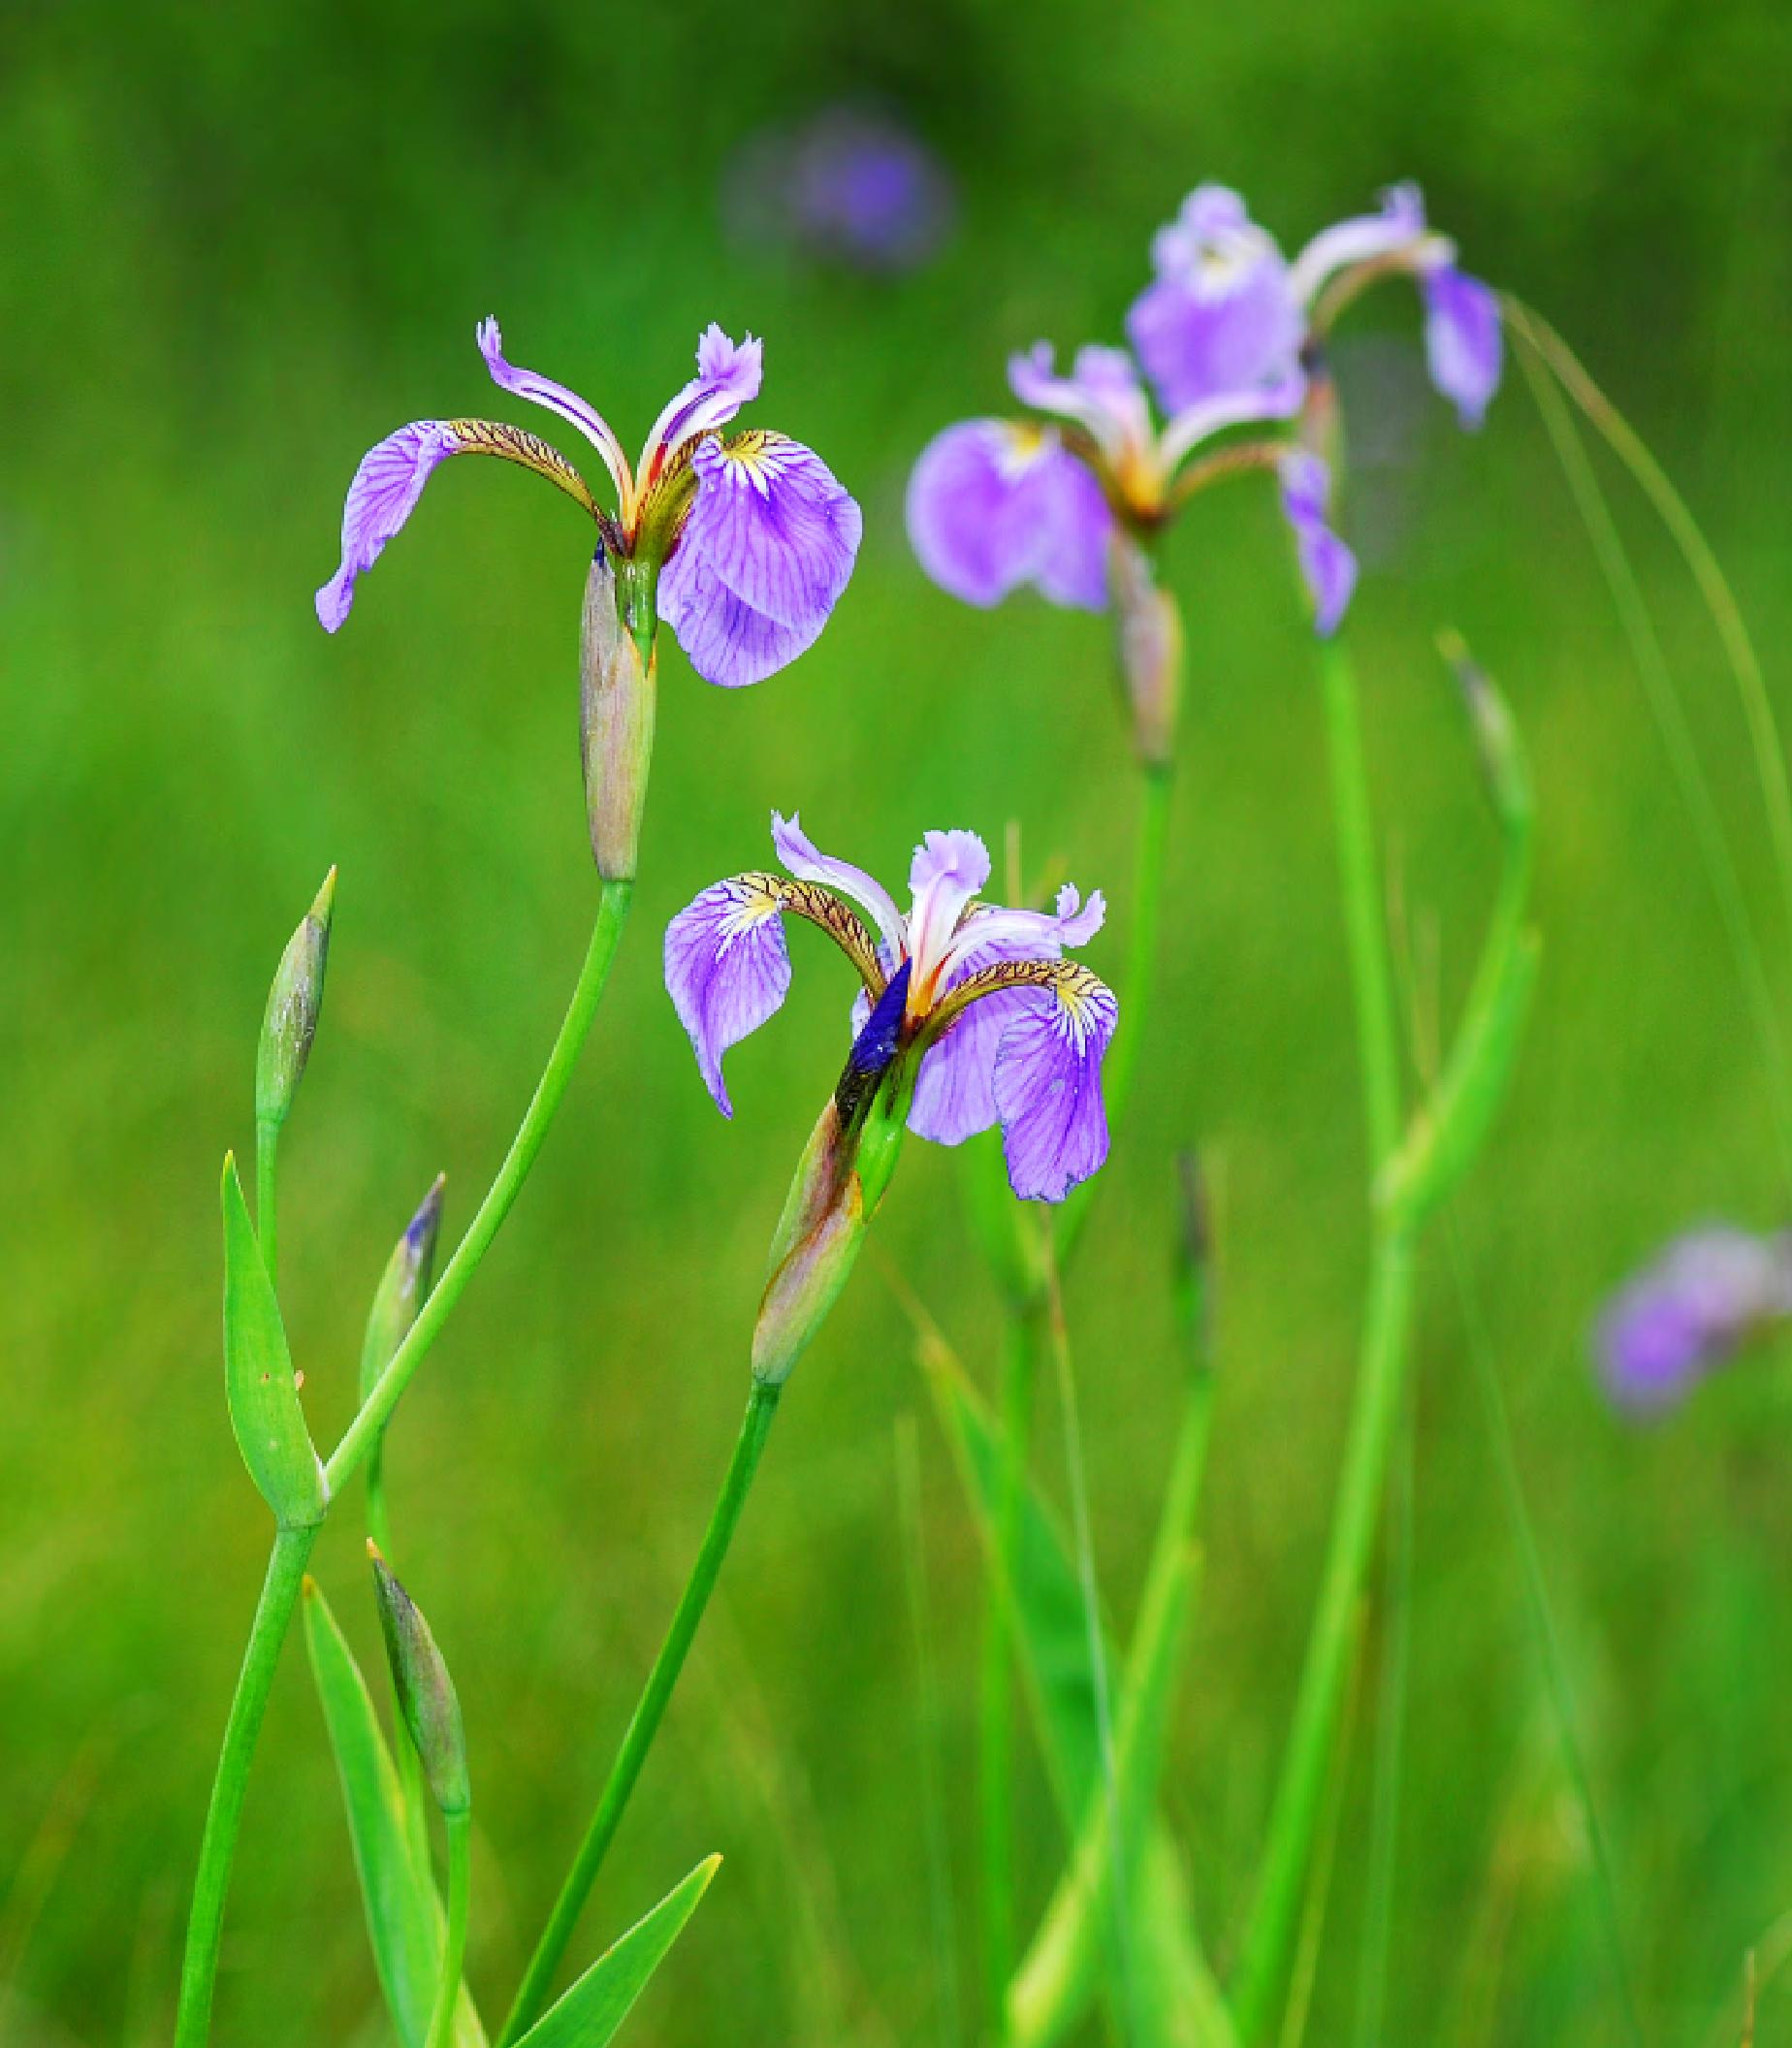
(279, 1594)
(1379, 1381)
(291, 1548)
(996, 1706)
(644, 1724)
(459, 1827)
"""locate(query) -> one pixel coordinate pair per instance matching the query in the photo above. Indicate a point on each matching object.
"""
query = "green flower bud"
(403, 1288)
(427, 1698)
(292, 1004)
(616, 691)
(1497, 733)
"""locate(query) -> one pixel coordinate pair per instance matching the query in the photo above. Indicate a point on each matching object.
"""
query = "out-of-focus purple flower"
(1227, 312)
(851, 185)
(972, 1006)
(994, 504)
(753, 535)
(1326, 563)
(1689, 1312)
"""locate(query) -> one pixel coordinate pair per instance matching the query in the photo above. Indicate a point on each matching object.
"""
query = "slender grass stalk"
(1390, 1740)
(644, 1724)
(267, 1195)
(927, 1689)
(279, 1594)
(1543, 1625)
(1677, 738)
(460, 1831)
(291, 1547)
(996, 1694)
(1380, 1379)
(1697, 553)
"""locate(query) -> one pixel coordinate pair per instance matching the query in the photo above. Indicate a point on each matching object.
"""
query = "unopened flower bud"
(616, 685)
(427, 1698)
(292, 1005)
(1149, 624)
(1496, 732)
(403, 1288)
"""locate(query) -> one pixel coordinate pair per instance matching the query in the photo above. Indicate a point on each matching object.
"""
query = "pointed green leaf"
(258, 1376)
(1052, 1638)
(404, 1913)
(596, 2005)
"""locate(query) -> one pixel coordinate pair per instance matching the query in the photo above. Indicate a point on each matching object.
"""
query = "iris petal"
(727, 970)
(1047, 1087)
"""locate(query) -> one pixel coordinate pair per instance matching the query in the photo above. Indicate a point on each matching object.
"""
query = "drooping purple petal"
(381, 497)
(765, 551)
(954, 1092)
(808, 863)
(994, 504)
(727, 970)
(1464, 343)
(1689, 1312)
(1047, 1087)
(1328, 565)
(1219, 316)
(543, 391)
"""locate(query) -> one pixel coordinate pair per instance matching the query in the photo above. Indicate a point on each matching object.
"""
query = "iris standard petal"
(728, 376)
(1464, 343)
(727, 970)
(1047, 1086)
(382, 496)
(948, 870)
(1367, 237)
(1326, 562)
(806, 861)
(543, 391)
(994, 504)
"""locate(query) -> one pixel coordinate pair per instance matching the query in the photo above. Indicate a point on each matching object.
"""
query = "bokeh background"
(236, 246)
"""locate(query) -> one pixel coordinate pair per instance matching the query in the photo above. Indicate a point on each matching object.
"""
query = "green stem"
(1380, 1383)
(996, 1722)
(1141, 951)
(359, 1439)
(291, 1548)
(644, 1724)
(279, 1594)
(459, 1827)
(267, 1208)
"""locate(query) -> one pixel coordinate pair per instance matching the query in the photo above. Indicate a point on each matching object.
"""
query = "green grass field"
(235, 250)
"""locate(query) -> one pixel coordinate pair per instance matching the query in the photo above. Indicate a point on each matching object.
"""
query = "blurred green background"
(236, 246)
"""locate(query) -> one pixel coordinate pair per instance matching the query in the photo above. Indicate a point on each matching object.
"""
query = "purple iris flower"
(1227, 312)
(852, 185)
(972, 1006)
(1689, 1313)
(995, 504)
(755, 536)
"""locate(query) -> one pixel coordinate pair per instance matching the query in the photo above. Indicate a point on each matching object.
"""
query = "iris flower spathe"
(752, 536)
(973, 1008)
(1229, 312)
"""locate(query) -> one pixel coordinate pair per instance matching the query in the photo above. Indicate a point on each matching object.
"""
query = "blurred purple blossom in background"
(1706, 1296)
(851, 185)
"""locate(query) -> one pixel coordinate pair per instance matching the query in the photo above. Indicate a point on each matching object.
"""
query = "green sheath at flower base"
(616, 691)
(1148, 627)
(427, 1697)
(258, 1376)
(292, 1005)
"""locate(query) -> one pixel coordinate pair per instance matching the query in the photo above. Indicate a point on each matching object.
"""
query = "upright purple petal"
(1219, 316)
(381, 497)
(543, 391)
(765, 551)
(728, 376)
(1101, 394)
(1047, 1087)
(1328, 565)
(994, 504)
(808, 863)
(1463, 344)
(948, 870)
(1368, 238)
(727, 970)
